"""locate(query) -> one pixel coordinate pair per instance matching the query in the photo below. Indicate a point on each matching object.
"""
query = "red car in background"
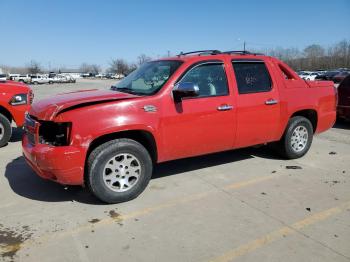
(340, 76)
(343, 109)
(15, 100)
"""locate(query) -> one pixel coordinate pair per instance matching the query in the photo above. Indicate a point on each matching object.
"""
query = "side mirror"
(185, 89)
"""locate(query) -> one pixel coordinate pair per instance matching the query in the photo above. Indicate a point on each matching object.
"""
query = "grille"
(31, 138)
(31, 97)
(30, 129)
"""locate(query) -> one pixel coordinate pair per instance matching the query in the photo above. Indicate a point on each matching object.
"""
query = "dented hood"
(48, 109)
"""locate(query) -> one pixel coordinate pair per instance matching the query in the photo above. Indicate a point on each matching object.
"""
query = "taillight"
(336, 97)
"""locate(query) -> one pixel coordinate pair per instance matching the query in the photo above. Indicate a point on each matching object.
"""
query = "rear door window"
(251, 76)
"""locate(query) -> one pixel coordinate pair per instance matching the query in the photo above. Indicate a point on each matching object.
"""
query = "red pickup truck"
(15, 100)
(192, 104)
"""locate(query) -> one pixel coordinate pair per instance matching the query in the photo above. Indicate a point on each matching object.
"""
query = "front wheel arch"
(6, 113)
(106, 180)
(143, 137)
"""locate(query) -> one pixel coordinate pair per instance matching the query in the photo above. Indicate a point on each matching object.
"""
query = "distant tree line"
(314, 57)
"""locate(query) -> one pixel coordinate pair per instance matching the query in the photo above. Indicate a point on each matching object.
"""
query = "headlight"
(20, 99)
(55, 134)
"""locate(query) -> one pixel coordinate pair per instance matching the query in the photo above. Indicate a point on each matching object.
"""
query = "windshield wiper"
(126, 90)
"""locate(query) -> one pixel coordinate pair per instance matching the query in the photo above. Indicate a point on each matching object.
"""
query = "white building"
(75, 73)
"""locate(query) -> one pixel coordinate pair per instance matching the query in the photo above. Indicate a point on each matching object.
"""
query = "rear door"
(258, 107)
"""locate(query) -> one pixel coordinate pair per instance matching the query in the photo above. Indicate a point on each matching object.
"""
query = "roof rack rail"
(241, 52)
(211, 52)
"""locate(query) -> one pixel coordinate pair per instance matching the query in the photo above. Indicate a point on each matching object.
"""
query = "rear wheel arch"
(309, 114)
(297, 138)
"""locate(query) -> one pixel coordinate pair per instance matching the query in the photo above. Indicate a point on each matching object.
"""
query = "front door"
(202, 124)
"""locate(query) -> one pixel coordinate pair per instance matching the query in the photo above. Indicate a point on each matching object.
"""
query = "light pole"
(244, 44)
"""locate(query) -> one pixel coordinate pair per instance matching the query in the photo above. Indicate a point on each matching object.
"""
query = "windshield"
(149, 78)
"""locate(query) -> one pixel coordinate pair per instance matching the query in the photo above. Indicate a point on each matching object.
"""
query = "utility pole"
(244, 46)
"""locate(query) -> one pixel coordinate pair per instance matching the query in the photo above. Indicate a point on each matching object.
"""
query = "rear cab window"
(286, 73)
(252, 76)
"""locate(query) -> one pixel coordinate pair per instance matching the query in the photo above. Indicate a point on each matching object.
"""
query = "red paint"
(9, 89)
(192, 127)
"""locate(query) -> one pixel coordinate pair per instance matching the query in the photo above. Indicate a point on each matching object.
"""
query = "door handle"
(225, 107)
(271, 102)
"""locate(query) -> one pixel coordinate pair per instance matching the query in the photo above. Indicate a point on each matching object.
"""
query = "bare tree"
(132, 67)
(314, 56)
(95, 69)
(119, 66)
(33, 67)
(90, 68)
(141, 59)
(84, 68)
(313, 51)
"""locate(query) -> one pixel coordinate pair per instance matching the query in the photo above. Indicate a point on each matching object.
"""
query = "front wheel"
(5, 130)
(118, 170)
(297, 138)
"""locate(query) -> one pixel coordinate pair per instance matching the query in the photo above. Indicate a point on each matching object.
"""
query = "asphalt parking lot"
(242, 205)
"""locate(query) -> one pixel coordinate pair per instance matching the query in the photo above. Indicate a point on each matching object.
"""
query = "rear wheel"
(35, 82)
(118, 170)
(5, 130)
(297, 138)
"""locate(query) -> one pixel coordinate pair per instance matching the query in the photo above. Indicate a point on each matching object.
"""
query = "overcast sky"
(68, 33)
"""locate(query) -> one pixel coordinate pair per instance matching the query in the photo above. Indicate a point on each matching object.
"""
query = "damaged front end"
(47, 148)
(55, 134)
(47, 132)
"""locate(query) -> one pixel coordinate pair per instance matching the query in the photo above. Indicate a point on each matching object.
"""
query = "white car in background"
(22, 78)
(60, 78)
(3, 77)
(309, 75)
(100, 76)
(39, 79)
(118, 76)
(312, 76)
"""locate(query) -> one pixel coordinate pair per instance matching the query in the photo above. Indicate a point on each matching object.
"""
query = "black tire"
(50, 82)
(285, 147)
(35, 83)
(98, 159)
(5, 130)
